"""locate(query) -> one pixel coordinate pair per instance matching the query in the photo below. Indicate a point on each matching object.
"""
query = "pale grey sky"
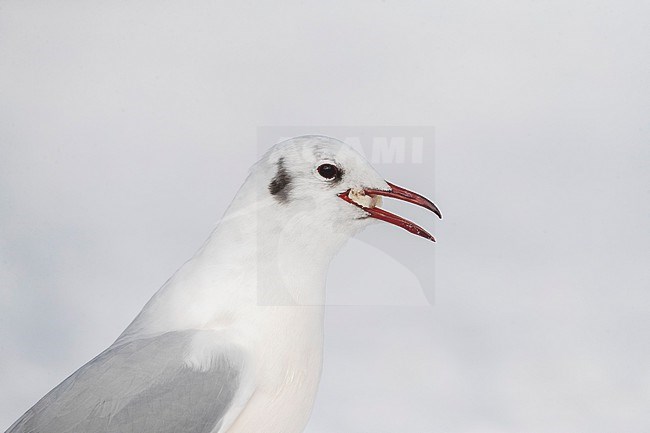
(126, 128)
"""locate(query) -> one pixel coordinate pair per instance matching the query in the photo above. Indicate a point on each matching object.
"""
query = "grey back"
(143, 386)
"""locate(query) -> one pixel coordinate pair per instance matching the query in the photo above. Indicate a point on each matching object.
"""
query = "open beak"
(368, 199)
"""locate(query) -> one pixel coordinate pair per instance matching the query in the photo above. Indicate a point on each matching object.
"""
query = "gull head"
(324, 184)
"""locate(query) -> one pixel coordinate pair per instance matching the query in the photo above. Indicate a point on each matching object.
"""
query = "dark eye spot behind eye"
(281, 184)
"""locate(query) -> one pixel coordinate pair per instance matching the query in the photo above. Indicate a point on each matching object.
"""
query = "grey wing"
(140, 387)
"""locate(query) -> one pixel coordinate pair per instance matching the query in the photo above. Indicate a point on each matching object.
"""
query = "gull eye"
(329, 171)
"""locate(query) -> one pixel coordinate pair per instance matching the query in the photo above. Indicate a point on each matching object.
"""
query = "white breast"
(287, 363)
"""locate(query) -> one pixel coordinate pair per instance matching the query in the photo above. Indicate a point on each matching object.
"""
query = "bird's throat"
(283, 263)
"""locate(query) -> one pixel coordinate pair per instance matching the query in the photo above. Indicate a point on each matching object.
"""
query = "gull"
(233, 341)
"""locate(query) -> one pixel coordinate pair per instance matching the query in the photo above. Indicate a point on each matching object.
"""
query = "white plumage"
(233, 341)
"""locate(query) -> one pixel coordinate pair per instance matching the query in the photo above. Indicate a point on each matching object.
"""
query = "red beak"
(400, 194)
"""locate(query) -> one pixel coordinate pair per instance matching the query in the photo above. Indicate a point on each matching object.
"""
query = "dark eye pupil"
(328, 171)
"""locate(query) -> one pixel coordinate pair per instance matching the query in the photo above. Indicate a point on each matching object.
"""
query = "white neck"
(262, 253)
(277, 251)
